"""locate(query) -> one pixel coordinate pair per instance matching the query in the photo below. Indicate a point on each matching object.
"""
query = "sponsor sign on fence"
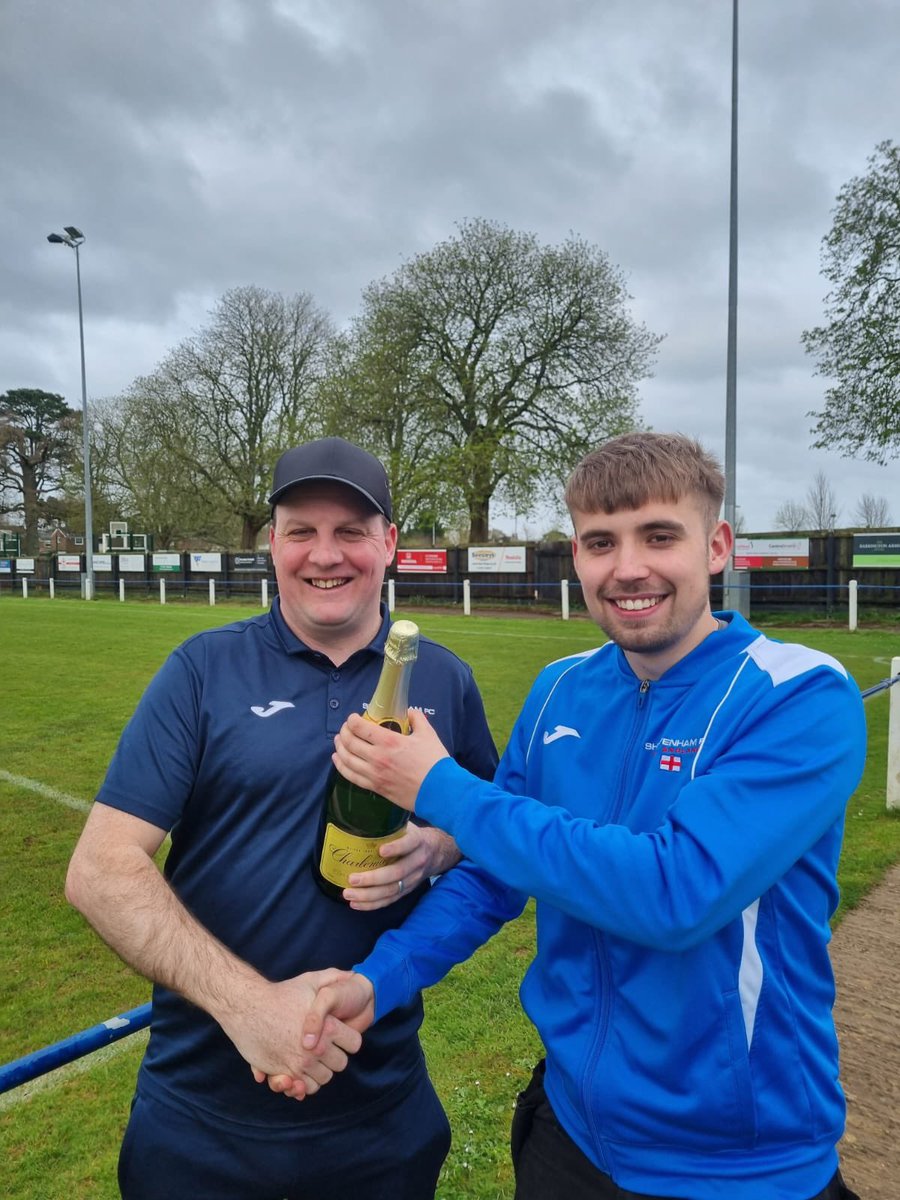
(251, 562)
(876, 549)
(206, 562)
(131, 562)
(496, 558)
(770, 554)
(426, 562)
(68, 562)
(166, 562)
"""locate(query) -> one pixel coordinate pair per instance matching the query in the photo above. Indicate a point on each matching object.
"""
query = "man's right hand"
(266, 1024)
(114, 881)
(345, 1001)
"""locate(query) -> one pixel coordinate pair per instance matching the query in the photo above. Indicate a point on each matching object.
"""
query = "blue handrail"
(880, 687)
(22, 1070)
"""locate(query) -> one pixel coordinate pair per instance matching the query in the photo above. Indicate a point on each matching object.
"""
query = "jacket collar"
(734, 638)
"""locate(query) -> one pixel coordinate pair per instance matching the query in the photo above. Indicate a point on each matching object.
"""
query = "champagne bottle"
(356, 821)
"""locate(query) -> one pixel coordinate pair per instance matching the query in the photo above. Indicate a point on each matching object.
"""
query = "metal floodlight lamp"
(73, 238)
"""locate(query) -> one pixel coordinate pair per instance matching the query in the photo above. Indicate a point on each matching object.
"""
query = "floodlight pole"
(732, 596)
(73, 238)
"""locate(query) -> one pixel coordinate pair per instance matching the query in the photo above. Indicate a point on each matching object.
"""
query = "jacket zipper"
(639, 722)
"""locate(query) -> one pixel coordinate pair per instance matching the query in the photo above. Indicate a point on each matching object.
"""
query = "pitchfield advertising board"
(770, 554)
(426, 562)
(497, 558)
(876, 549)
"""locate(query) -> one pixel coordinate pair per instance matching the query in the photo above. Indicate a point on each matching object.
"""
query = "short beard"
(646, 642)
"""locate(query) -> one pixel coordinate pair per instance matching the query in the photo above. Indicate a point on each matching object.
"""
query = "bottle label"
(343, 854)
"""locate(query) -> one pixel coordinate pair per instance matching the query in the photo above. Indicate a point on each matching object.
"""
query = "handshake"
(298, 1033)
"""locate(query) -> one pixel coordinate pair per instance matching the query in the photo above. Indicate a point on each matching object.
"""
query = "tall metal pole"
(86, 449)
(732, 595)
(73, 238)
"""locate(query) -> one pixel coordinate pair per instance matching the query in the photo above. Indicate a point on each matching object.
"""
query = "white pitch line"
(42, 789)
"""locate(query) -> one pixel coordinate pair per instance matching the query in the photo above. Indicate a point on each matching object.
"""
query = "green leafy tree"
(501, 360)
(859, 346)
(38, 440)
(373, 393)
(213, 417)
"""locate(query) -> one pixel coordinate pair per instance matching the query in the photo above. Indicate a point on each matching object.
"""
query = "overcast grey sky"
(314, 145)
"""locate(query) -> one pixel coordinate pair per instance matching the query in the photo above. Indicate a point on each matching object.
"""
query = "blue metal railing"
(24, 1069)
(880, 687)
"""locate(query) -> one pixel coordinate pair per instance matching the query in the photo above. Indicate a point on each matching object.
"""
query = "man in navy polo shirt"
(229, 750)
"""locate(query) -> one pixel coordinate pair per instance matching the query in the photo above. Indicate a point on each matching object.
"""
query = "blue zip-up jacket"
(681, 838)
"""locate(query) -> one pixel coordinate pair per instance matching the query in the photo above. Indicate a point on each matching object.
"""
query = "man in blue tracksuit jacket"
(675, 802)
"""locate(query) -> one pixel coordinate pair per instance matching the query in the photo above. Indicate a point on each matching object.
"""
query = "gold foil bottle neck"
(402, 645)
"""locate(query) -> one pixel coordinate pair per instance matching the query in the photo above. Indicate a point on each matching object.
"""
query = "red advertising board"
(767, 554)
(429, 562)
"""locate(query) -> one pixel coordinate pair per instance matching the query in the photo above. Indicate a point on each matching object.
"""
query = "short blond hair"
(628, 472)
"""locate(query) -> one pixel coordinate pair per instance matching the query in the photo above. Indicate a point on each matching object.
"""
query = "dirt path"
(865, 952)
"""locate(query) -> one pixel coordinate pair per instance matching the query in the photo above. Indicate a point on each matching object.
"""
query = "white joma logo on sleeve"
(274, 707)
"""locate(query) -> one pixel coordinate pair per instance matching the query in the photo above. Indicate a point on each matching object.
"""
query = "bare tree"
(217, 412)
(872, 512)
(139, 479)
(791, 516)
(821, 503)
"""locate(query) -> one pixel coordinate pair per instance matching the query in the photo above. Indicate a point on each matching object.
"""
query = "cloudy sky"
(314, 145)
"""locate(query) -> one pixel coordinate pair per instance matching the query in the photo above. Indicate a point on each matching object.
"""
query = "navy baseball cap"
(334, 459)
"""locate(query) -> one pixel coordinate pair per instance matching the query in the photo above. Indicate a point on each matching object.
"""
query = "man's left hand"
(420, 853)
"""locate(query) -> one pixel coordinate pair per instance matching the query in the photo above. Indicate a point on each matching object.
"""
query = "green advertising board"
(165, 562)
(876, 549)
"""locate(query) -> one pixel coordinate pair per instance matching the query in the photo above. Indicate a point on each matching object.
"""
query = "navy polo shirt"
(230, 749)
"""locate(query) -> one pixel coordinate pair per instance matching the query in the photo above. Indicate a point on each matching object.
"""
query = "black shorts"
(549, 1165)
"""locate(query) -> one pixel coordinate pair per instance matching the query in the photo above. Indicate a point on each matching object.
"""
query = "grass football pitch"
(70, 675)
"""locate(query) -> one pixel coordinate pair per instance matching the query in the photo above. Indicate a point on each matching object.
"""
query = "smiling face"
(330, 551)
(645, 574)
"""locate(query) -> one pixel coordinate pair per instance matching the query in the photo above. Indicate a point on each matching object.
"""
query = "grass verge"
(71, 676)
